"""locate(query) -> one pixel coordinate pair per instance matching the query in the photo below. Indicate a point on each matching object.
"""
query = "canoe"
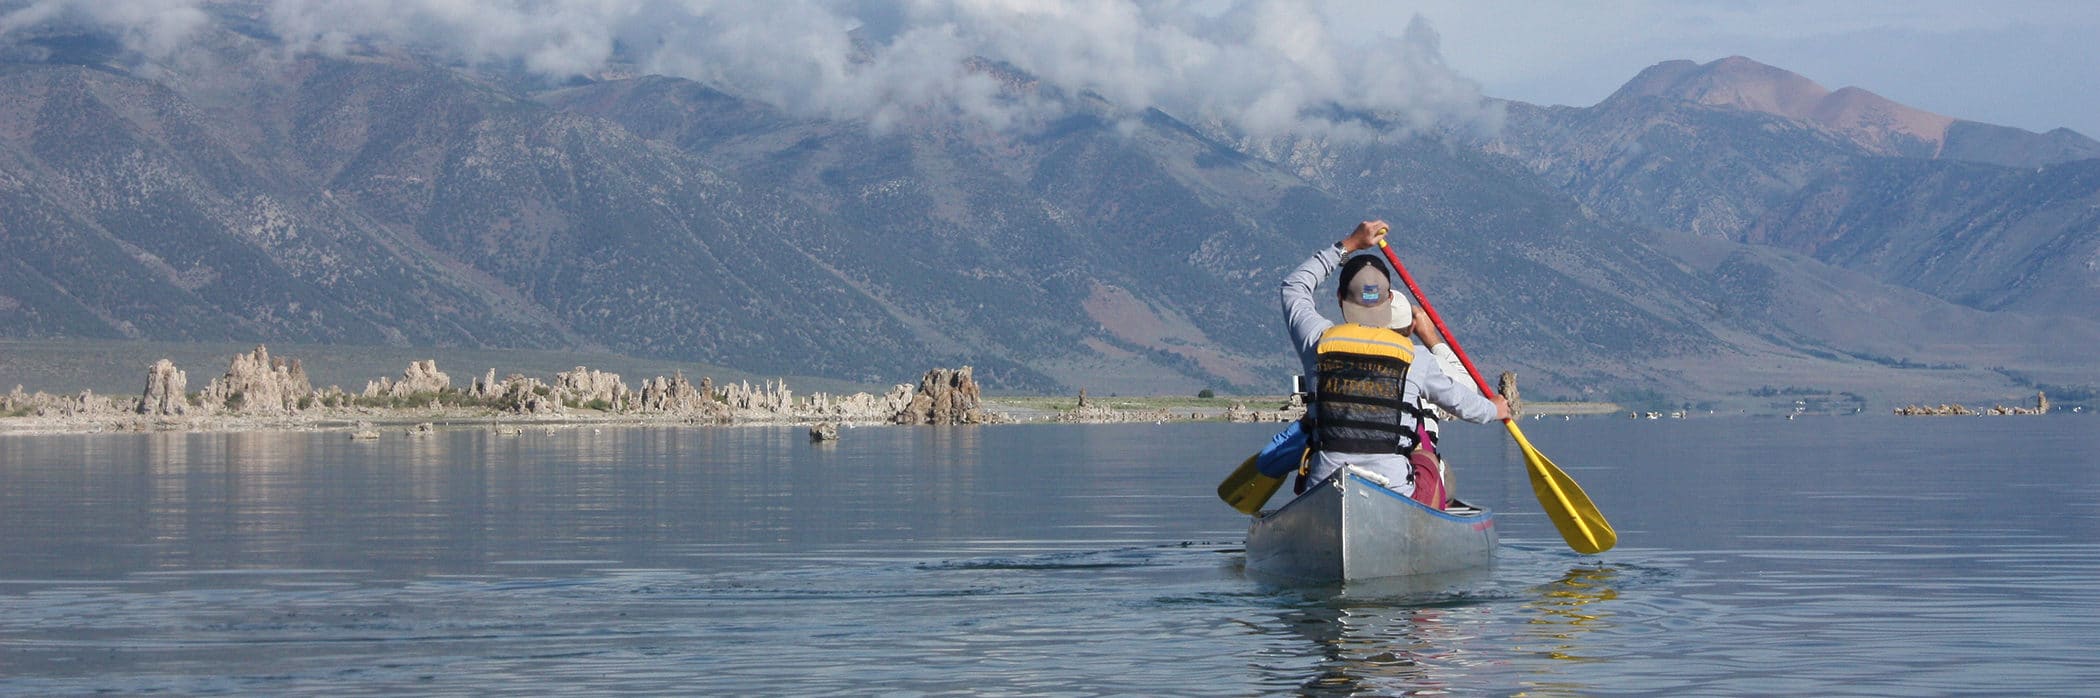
(1352, 527)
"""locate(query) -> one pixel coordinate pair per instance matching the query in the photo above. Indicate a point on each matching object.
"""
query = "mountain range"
(1716, 233)
(1984, 216)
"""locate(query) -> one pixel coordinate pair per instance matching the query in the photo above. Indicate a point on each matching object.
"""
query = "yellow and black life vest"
(1360, 377)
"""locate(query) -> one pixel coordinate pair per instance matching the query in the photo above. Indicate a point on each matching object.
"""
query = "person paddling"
(1365, 404)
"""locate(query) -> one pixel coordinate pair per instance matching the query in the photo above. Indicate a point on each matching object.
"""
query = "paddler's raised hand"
(1366, 236)
(1425, 329)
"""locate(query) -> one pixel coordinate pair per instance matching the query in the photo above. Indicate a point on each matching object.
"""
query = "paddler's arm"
(1425, 332)
(1461, 400)
(1434, 383)
(1300, 312)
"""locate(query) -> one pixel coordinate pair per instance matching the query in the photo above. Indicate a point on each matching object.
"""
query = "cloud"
(566, 37)
(1265, 66)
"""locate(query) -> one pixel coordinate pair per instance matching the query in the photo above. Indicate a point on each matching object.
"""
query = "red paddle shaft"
(1409, 279)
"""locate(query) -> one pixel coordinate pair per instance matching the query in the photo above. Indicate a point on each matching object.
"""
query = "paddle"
(1580, 524)
(1246, 489)
(1251, 485)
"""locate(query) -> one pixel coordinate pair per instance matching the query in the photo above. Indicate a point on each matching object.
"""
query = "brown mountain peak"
(1870, 120)
(1742, 83)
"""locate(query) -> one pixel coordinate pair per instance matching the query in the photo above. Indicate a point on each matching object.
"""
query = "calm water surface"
(1826, 556)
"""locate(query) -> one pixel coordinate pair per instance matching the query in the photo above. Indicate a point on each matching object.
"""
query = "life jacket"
(1360, 376)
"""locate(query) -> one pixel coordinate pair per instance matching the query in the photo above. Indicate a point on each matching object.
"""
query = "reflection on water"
(1039, 559)
(1442, 633)
(1383, 636)
(1563, 611)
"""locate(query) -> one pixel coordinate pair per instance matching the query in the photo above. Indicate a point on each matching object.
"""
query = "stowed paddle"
(1571, 511)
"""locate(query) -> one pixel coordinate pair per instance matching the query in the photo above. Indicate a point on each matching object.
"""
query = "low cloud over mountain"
(1264, 66)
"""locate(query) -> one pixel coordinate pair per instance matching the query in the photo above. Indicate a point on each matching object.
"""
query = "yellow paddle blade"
(1580, 524)
(1246, 489)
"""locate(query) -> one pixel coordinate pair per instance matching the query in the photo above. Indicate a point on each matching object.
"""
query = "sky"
(2034, 64)
(1265, 66)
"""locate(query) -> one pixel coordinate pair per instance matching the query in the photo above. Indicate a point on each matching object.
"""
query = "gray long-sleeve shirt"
(1302, 315)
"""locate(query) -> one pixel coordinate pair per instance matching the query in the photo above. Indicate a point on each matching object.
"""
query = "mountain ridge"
(1871, 122)
(384, 198)
(1746, 174)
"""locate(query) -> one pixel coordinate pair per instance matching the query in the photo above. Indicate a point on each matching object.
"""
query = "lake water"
(1826, 556)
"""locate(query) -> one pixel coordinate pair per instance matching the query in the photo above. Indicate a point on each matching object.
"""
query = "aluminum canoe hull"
(1351, 527)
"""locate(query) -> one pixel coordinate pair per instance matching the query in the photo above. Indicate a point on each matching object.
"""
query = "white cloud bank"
(1267, 67)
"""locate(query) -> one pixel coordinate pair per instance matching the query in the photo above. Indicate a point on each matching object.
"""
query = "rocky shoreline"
(260, 392)
(2041, 406)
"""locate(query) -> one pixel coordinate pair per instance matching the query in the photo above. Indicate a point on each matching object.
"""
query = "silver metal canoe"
(1353, 527)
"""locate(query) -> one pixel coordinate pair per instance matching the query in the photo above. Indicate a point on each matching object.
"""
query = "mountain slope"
(1130, 247)
(126, 199)
(1986, 237)
(383, 196)
(1985, 216)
